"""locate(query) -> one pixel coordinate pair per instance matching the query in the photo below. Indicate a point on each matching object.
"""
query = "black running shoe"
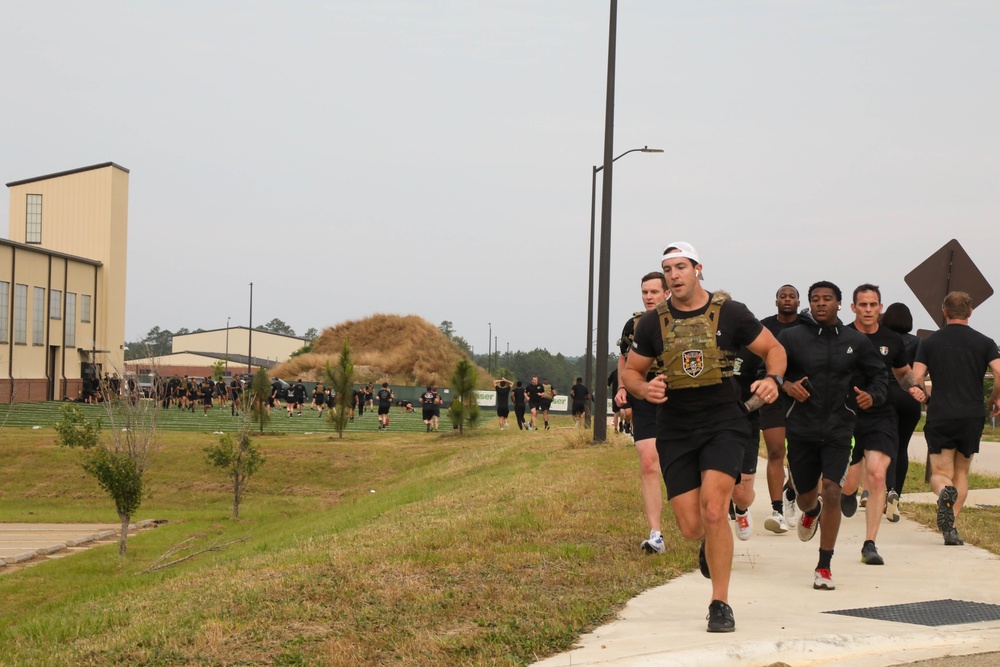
(848, 504)
(720, 617)
(953, 539)
(870, 555)
(703, 562)
(946, 509)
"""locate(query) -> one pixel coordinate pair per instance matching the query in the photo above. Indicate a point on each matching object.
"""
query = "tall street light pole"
(590, 286)
(604, 277)
(489, 350)
(227, 345)
(250, 335)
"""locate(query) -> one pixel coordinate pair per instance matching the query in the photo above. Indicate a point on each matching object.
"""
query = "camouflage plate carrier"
(691, 356)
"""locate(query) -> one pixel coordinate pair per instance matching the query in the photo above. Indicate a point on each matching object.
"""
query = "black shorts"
(772, 415)
(206, 400)
(962, 435)
(545, 403)
(579, 407)
(808, 460)
(503, 410)
(427, 413)
(383, 409)
(751, 449)
(643, 418)
(684, 454)
(535, 405)
(877, 435)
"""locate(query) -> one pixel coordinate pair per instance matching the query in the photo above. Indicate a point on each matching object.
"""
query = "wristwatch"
(778, 380)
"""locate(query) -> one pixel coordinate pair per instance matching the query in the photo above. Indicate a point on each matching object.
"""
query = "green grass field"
(495, 548)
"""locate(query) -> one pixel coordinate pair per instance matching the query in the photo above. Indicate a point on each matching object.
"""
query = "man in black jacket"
(832, 371)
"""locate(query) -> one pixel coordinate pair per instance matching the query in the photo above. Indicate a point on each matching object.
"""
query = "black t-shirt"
(503, 395)
(774, 326)
(628, 331)
(689, 408)
(519, 396)
(579, 393)
(534, 392)
(747, 369)
(891, 347)
(956, 357)
(384, 398)
(427, 399)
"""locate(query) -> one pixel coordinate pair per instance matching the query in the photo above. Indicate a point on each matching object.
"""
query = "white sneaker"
(654, 545)
(776, 523)
(744, 525)
(790, 510)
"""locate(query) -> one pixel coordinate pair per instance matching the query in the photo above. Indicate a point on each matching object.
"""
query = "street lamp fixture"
(590, 287)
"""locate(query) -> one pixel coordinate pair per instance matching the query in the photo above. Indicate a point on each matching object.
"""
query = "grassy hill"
(409, 549)
(398, 349)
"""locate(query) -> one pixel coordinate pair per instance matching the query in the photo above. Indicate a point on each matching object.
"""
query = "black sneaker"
(848, 504)
(946, 509)
(720, 617)
(953, 539)
(703, 563)
(869, 554)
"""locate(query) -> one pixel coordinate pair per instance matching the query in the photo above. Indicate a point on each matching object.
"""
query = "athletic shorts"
(579, 407)
(535, 405)
(206, 400)
(427, 413)
(808, 460)
(878, 435)
(383, 409)
(684, 454)
(772, 415)
(643, 418)
(751, 449)
(503, 410)
(545, 403)
(962, 435)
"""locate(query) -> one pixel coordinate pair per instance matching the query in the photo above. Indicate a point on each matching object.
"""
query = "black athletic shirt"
(427, 399)
(774, 326)
(384, 398)
(534, 392)
(689, 408)
(579, 392)
(503, 396)
(956, 357)
(892, 349)
(519, 396)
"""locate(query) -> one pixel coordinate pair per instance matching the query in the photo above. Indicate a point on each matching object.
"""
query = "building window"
(20, 314)
(55, 305)
(33, 220)
(84, 307)
(69, 329)
(38, 323)
(4, 309)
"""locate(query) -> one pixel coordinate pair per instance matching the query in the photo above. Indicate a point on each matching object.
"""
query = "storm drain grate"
(932, 613)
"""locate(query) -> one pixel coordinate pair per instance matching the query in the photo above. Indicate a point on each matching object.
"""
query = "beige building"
(196, 353)
(62, 282)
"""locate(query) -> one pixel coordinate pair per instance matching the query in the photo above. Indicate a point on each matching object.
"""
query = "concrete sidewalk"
(30, 543)
(780, 618)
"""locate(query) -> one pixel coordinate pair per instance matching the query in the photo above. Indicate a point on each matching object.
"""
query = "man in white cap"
(701, 426)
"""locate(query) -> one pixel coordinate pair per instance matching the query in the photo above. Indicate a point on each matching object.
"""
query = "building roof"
(66, 173)
(45, 251)
(235, 327)
(210, 357)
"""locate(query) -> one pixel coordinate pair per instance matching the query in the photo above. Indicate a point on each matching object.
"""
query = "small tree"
(341, 381)
(464, 410)
(118, 460)
(238, 456)
(219, 369)
(256, 398)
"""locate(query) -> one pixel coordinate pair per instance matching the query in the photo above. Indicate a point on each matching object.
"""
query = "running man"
(654, 290)
(701, 425)
(956, 356)
(580, 395)
(384, 397)
(534, 393)
(502, 387)
(876, 435)
(831, 364)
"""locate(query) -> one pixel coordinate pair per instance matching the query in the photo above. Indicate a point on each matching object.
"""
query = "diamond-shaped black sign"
(947, 270)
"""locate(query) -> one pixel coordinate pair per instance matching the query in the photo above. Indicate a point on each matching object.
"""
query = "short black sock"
(825, 557)
(776, 506)
(867, 542)
(814, 511)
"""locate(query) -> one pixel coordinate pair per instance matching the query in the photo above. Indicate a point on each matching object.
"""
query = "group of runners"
(703, 378)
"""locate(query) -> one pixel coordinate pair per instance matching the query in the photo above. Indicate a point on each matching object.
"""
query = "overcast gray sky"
(434, 158)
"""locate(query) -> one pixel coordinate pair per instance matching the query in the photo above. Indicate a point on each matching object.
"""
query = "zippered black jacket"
(835, 358)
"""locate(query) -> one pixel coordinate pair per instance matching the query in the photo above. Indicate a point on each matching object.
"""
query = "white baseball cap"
(682, 249)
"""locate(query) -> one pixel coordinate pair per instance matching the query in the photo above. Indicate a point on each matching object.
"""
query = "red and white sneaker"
(809, 524)
(823, 579)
